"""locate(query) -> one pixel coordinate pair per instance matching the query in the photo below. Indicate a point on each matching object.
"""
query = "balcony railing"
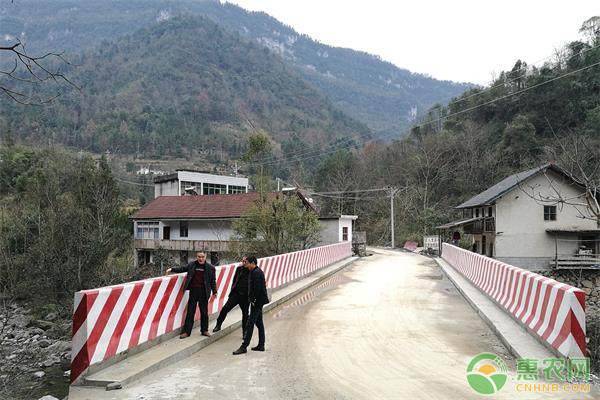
(181, 245)
(481, 226)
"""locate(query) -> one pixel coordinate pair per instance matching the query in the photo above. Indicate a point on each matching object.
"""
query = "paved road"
(390, 326)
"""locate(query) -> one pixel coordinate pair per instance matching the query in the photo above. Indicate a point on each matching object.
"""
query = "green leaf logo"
(487, 373)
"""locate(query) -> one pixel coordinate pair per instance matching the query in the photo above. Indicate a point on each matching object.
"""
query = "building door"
(167, 233)
(483, 245)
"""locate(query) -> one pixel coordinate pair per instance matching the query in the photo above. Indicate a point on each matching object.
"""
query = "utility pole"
(392, 190)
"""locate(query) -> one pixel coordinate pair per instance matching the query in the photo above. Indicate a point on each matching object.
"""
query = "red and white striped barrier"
(410, 245)
(110, 320)
(551, 311)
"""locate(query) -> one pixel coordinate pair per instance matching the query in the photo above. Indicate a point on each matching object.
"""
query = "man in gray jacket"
(200, 281)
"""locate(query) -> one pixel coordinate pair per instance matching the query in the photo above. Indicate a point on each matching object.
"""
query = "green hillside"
(178, 87)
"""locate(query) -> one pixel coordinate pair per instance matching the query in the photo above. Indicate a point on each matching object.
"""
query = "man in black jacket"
(258, 297)
(237, 296)
(200, 281)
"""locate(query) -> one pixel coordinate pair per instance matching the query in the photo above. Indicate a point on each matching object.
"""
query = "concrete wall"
(332, 230)
(170, 188)
(329, 231)
(520, 226)
(202, 230)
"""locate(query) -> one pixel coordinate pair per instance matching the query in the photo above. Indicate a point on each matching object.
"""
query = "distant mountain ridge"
(379, 94)
(179, 87)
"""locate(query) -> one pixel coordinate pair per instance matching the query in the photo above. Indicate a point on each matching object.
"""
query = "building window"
(232, 189)
(147, 230)
(213, 188)
(183, 229)
(549, 213)
(345, 233)
(190, 187)
(477, 212)
(489, 211)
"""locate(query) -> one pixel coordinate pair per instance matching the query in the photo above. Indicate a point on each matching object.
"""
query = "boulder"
(587, 284)
(39, 374)
(45, 325)
(51, 316)
(43, 343)
(19, 320)
(48, 397)
(51, 360)
(60, 346)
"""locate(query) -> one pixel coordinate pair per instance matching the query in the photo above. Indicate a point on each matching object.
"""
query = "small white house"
(336, 229)
(522, 221)
(191, 182)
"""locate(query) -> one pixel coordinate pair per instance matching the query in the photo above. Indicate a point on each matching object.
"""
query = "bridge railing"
(551, 311)
(112, 320)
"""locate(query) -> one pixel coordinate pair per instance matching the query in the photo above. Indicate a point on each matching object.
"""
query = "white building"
(521, 221)
(199, 183)
(182, 225)
(336, 229)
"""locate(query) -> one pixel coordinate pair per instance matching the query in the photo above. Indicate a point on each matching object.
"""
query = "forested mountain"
(379, 94)
(176, 87)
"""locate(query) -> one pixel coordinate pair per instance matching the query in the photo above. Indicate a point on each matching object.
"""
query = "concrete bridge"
(392, 325)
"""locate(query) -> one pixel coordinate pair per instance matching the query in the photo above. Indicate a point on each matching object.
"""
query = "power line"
(317, 153)
(352, 191)
(460, 99)
(133, 183)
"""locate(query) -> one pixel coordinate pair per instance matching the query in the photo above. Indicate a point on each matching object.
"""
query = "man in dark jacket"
(200, 281)
(258, 297)
(237, 296)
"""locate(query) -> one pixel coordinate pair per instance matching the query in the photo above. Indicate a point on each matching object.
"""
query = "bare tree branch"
(31, 70)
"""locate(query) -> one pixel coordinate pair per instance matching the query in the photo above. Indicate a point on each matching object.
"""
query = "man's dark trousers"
(255, 318)
(234, 300)
(197, 296)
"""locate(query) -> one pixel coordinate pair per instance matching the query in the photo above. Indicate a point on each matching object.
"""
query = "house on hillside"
(521, 221)
(190, 182)
(182, 225)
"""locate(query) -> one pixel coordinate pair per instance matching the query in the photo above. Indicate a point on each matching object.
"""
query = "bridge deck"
(390, 326)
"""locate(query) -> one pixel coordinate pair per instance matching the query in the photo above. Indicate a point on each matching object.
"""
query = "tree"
(26, 72)
(259, 147)
(519, 143)
(277, 224)
(591, 29)
(60, 219)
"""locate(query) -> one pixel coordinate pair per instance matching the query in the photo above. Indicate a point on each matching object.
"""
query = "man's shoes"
(217, 328)
(241, 350)
(258, 348)
(206, 333)
(184, 335)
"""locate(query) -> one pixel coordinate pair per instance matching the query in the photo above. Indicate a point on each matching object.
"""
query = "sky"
(459, 40)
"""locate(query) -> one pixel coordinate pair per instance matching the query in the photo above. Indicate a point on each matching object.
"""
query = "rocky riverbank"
(35, 352)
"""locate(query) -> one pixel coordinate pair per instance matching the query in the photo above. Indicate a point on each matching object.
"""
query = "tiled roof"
(491, 194)
(200, 207)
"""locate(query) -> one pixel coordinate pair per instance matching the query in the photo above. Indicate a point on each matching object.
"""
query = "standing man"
(257, 296)
(200, 281)
(237, 296)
